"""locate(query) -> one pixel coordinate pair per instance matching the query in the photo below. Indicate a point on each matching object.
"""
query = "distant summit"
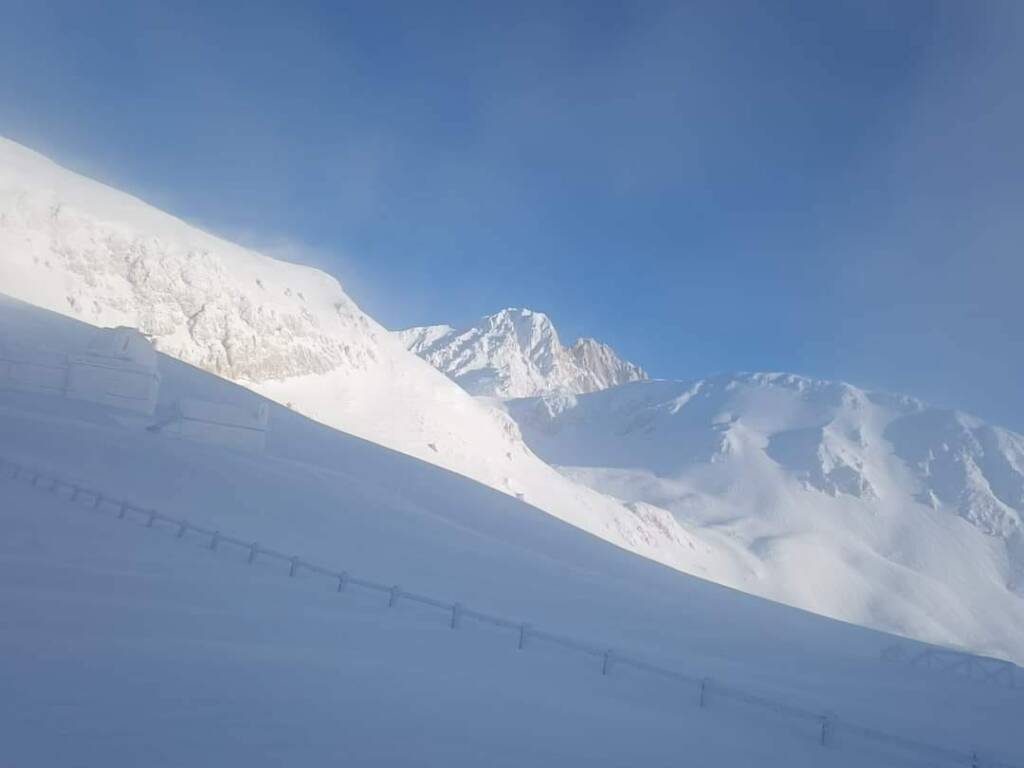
(517, 353)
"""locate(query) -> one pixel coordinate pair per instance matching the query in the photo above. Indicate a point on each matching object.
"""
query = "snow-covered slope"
(124, 645)
(290, 332)
(764, 520)
(517, 353)
(869, 507)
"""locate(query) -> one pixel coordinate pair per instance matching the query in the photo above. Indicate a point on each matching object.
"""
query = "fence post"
(826, 727)
(975, 759)
(253, 551)
(342, 578)
(606, 662)
(524, 629)
(393, 596)
(294, 566)
(214, 539)
(704, 683)
(122, 512)
(456, 610)
(98, 501)
(182, 527)
(152, 519)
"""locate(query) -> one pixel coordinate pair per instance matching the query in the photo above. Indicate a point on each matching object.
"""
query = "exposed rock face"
(272, 321)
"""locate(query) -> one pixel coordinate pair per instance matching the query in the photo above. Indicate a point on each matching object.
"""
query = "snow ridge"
(517, 353)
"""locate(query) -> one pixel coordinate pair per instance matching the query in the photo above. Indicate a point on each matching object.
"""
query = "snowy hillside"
(873, 508)
(517, 353)
(128, 644)
(912, 529)
(77, 247)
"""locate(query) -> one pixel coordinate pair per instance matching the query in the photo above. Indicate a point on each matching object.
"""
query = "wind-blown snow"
(517, 353)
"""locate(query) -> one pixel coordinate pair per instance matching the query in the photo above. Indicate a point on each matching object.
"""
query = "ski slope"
(124, 645)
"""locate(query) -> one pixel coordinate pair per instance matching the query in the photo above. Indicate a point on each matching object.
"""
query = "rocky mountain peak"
(516, 352)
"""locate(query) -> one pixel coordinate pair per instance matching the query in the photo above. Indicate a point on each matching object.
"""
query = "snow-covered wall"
(221, 424)
(32, 370)
(118, 369)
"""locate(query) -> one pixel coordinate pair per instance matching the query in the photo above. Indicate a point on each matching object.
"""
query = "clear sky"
(833, 188)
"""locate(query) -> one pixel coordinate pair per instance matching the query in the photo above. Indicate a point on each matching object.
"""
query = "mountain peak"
(516, 352)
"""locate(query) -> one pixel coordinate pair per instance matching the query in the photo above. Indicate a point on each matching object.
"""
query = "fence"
(828, 730)
(117, 369)
(983, 669)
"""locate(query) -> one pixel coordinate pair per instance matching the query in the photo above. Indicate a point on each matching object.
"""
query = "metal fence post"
(253, 551)
(702, 698)
(182, 527)
(826, 727)
(98, 501)
(342, 578)
(122, 512)
(294, 567)
(606, 662)
(393, 596)
(524, 629)
(214, 539)
(152, 519)
(456, 610)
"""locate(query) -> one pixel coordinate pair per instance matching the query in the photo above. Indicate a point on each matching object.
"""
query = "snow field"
(551, 654)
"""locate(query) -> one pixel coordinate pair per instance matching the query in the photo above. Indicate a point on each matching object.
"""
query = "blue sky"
(830, 188)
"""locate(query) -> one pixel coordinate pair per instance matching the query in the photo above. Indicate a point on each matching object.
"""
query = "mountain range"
(868, 507)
